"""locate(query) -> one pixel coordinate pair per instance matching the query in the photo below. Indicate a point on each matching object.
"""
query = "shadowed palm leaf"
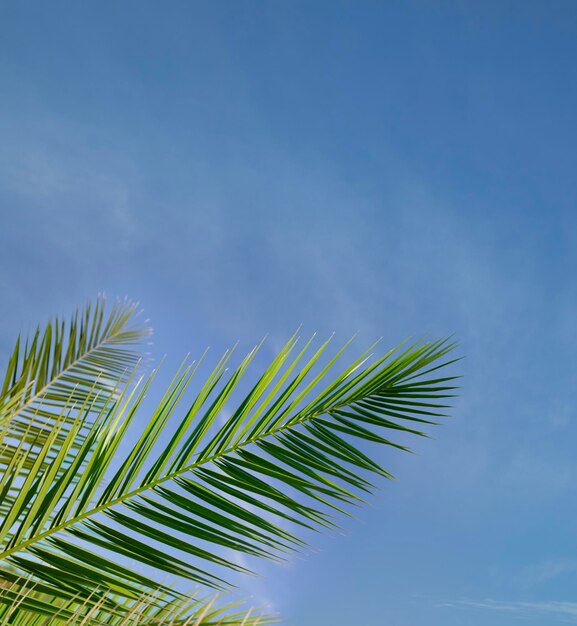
(226, 476)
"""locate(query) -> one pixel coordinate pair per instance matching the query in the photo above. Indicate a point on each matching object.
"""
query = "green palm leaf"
(50, 377)
(22, 604)
(294, 452)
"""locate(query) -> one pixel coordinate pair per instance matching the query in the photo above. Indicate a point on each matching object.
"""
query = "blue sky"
(393, 168)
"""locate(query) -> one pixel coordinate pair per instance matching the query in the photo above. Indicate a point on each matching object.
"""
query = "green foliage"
(86, 487)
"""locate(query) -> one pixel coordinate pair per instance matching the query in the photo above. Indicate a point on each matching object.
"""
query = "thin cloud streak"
(544, 571)
(564, 611)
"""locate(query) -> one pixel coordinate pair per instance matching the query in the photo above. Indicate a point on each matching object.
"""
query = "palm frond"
(23, 604)
(67, 367)
(293, 452)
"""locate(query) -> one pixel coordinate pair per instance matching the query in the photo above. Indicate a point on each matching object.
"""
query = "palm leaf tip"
(71, 357)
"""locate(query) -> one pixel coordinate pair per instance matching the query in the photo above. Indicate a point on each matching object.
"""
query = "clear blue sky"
(393, 168)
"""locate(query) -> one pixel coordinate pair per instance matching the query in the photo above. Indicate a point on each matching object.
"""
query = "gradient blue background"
(393, 168)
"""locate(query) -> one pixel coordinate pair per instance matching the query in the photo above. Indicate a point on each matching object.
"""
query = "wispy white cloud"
(542, 572)
(528, 470)
(561, 611)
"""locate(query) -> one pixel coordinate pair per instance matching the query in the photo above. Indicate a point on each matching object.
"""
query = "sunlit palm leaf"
(293, 452)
